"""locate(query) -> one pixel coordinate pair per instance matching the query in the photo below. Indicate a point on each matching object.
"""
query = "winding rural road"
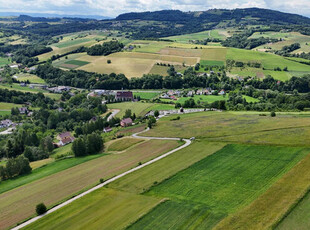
(136, 135)
(113, 114)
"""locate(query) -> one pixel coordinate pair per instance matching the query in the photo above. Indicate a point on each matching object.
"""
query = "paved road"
(136, 135)
(113, 114)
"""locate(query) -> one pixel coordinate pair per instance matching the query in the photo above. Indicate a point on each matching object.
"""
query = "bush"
(109, 61)
(272, 114)
(101, 180)
(41, 209)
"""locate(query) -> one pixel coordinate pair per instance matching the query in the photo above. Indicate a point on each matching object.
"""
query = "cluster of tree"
(242, 41)
(105, 49)
(302, 55)
(232, 63)
(286, 50)
(15, 167)
(18, 97)
(87, 145)
(92, 126)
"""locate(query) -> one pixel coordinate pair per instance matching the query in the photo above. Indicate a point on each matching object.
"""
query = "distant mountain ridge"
(53, 16)
(218, 15)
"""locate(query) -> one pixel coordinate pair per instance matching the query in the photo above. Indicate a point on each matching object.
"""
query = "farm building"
(107, 129)
(124, 96)
(126, 122)
(65, 138)
(23, 110)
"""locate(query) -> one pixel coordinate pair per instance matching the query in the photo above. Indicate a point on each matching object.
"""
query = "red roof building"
(124, 96)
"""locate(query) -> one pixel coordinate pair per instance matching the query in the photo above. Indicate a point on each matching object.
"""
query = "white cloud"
(115, 7)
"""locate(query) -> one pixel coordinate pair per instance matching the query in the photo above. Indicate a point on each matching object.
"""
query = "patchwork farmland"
(208, 184)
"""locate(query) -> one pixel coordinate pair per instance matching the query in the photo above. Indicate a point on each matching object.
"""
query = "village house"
(65, 138)
(124, 96)
(126, 122)
(222, 92)
(6, 123)
(107, 129)
(23, 84)
(23, 110)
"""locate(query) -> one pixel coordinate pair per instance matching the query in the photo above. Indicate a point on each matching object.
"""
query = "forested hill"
(218, 15)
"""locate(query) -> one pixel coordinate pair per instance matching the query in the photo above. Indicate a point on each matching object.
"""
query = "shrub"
(41, 209)
(109, 61)
(272, 114)
(101, 180)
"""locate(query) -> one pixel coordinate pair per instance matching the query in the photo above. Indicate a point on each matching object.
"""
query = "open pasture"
(214, 54)
(102, 209)
(286, 129)
(219, 34)
(19, 204)
(138, 108)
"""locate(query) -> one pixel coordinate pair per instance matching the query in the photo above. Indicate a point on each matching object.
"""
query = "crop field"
(102, 209)
(30, 77)
(4, 61)
(266, 211)
(143, 179)
(289, 130)
(199, 36)
(59, 186)
(214, 54)
(299, 217)
(178, 215)
(73, 64)
(161, 70)
(40, 163)
(122, 144)
(229, 179)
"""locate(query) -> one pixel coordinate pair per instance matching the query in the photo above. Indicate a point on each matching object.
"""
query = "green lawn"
(72, 42)
(204, 98)
(198, 36)
(8, 106)
(231, 178)
(211, 63)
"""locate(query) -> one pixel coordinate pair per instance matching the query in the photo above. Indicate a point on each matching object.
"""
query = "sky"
(112, 8)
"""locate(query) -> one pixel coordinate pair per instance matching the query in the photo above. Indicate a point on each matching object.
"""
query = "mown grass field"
(18, 204)
(102, 209)
(31, 78)
(249, 128)
(122, 144)
(8, 106)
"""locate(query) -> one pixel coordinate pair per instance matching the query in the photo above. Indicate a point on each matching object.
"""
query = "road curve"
(136, 135)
